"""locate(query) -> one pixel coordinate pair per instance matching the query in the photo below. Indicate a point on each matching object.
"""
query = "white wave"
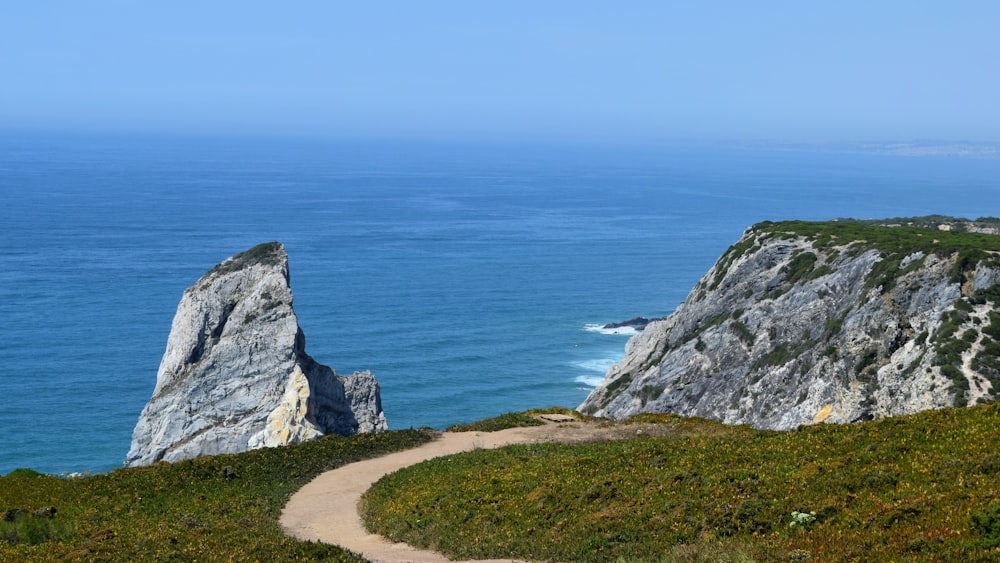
(627, 330)
(600, 365)
(590, 380)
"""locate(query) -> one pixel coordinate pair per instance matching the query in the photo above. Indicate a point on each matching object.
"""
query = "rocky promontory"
(801, 323)
(236, 376)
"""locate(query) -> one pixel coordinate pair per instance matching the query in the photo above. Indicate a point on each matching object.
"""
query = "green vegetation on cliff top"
(894, 239)
(902, 236)
(267, 253)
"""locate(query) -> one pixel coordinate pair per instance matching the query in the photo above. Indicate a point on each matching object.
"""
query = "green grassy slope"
(921, 487)
(215, 508)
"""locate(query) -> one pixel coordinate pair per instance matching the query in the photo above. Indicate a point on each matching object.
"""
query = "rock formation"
(637, 323)
(801, 323)
(235, 375)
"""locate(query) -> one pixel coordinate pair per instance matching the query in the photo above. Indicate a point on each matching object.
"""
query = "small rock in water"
(638, 323)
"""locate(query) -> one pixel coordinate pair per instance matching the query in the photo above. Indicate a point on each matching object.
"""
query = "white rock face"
(787, 329)
(235, 375)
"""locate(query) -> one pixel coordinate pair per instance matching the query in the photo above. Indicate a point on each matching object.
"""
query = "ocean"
(472, 279)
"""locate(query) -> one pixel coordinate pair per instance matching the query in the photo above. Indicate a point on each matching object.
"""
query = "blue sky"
(577, 70)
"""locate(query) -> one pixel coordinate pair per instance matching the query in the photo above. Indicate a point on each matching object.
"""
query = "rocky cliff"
(235, 375)
(801, 323)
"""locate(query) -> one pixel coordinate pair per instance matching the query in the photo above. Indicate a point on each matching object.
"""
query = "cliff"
(801, 323)
(235, 375)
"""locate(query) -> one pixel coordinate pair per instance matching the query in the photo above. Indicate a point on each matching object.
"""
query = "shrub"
(502, 422)
(964, 305)
(832, 327)
(268, 253)
(799, 267)
(744, 333)
(987, 524)
(868, 359)
(987, 361)
(984, 295)
(20, 526)
(25, 472)
(733, 253)
(778, 356)
(993, 330)
(965, 262)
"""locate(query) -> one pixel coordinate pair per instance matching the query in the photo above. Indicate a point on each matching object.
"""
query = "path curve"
(326, 508)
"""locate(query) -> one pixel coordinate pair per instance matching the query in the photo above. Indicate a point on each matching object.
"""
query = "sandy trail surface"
(326, 509)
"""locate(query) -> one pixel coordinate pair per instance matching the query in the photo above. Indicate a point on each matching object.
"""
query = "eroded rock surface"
(236, 376)
(801, 323)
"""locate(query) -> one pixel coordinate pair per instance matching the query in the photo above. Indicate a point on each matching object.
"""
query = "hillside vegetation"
(213, 508)
(919, 487)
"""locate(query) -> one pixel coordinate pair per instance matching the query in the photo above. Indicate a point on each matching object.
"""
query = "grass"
(924, 487)
(513, 420)
(502, 422)
(214, 508)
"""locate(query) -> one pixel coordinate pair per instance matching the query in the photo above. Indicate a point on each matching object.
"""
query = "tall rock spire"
(236, 376)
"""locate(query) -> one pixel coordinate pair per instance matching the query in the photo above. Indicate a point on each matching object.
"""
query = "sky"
(645, 71)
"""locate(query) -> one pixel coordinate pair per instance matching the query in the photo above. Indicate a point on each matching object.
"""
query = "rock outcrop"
(801, 323)
(637, 323)
(235, 375)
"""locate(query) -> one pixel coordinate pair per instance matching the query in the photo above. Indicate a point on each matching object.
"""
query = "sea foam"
(622, 330)
(600, 365)
(590, 380)
(597, 368)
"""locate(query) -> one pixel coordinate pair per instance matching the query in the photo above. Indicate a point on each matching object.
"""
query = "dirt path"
(326, 509)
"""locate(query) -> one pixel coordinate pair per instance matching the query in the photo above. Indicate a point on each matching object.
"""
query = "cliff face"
(801, 323)
(235, 375)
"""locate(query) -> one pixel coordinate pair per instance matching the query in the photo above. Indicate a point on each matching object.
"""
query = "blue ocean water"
(468, 278)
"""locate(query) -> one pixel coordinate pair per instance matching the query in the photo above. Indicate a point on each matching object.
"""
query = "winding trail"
(326, 509)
